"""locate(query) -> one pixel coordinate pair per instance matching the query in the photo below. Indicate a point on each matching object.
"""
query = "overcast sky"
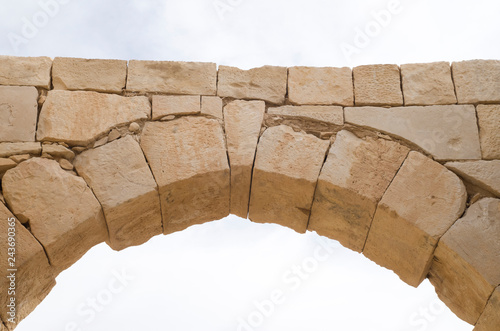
(223, 275)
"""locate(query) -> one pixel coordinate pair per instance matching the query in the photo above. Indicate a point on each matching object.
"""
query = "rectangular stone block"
(211, 106)
(164, 105)
(18, 113)
(377, 85)
(9, 149)
(477, 81)
(25, 71)
(488, 117)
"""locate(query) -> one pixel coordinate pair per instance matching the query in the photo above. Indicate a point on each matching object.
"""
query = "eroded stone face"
(477, 81)
(490, 318)
(212, 106)
(377, 85)
(483, 174)
(25, 71)
(164, 105)
(488, 117)
(328, 114)
(8, 149)
(18, 113)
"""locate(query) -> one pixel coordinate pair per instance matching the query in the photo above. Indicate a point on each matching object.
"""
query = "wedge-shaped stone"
(18, 113)
(355, 176)
(212, 106)
(483, 174)
(428, 84)
(79, 117)
(445, 132)
(477, 81)
(243, 121)
(120, 177)
(328, 114)
(488, 118)
(164, 105)
(9, 149)
(377, 85)
(90, 75)
(25, 71)
(58, 151)
(60, 208)
(188, 158)
(34, 277)
(266, 83)
(490, 318)
(172, 77)
(466, 267)
(320, 86)
(420, 205)
(286, 170)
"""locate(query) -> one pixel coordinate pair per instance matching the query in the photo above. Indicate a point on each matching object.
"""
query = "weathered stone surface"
(58, 151)
(286, 170)
(90, 75)
(428, 84)
(420, 205)
(466, 267)
(355, 176)
(9, 149)
(79, 117)
(484, 174)
(446, 132)
(61, 210)
(490, 318)
(172, 77)
(20, 158)
(477, 81)
(377, 85)
(18, 113)
(21, 71)
(329, 114)
(266, 83)
(212, 106)
(188, 158)
(243, 121)
(66, 165)
(134, 127)
(34, 276)
(6, 164)
(164, 105)
(119, 176)
(488, 117)
(320, 86)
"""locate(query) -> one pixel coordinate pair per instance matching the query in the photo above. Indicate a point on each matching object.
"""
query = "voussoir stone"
(18, 113)
(25, 71)
(172, 77)
(188, 158)
(420, 205)
(243, 121)
(164, 105)
(79, 117)
(89, 74)
(353, 180)
(120, 177)
(328, 114)
(447, 132)
(9, 149)
(466, 267)
(287, 166)
(490, 318)
(477, 81)
(266, 83)
(320, 86)
(62, 211)
(377, 85)
(483, 174)
(211, 105)
(488, 117)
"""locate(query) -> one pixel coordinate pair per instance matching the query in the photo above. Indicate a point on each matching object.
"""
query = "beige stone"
(172, 77)
(212, 106)
(62, 211)
(22, 71)
(65, 164)
(6, 164)
(100, 142)
(243, 121)
(483, 174)
(134, 127)
(286, 170)
(320, 86)
(79, 117)
(377, 85)
(266, 83)
(427, 84)
(352, 181)
(490, 318)
(446, 132)
(18, 113)
(58, 151)
(164, 105)
(20, 158)
(188, 158)
(89, 75)
(9, 149)
(477, 81)
(328, 114)
(488, 117)
(466, 267)
(168, 118)
(420, 205)
(114, 134)
(120, 177)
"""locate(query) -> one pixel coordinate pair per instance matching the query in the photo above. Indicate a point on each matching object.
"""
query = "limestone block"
(377, 85)
(188, 158)
(6, 164)
(172, 77)
(266, 83)
(79, 117)
(58, 151)
(22, 71)
(428, 84)
(488, 117)
(286, 170)
(320, 86)
(212, 106)
(355, 176)
(420, 205)
(164, 105)
(329, 114)
(477, 81)
(9, 149)
(490, 318)
(483, 174)
(466, 267)
(62, 211)
(90, 75)
(120, 177)
(243, 121)
(18, 113)
(445, 132)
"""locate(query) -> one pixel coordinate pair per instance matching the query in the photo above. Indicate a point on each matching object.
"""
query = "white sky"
(209, 277)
